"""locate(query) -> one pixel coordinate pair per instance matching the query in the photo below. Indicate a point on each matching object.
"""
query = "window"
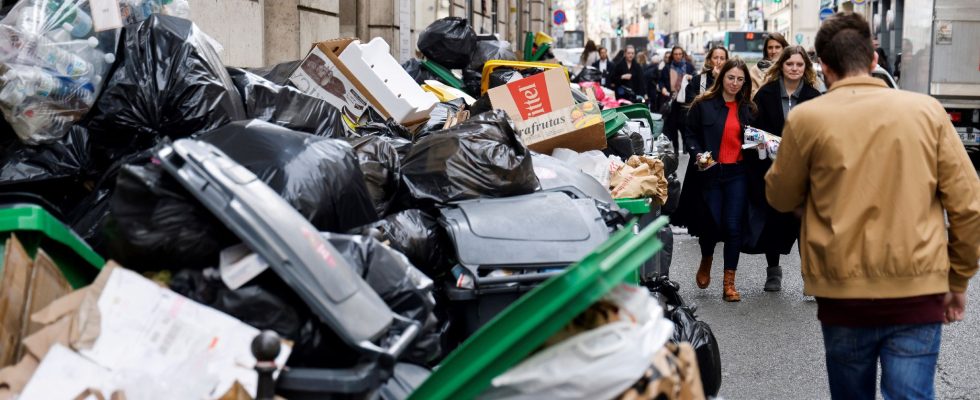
(727, 10)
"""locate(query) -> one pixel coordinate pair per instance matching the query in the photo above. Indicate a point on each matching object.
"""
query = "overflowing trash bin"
(428, 229)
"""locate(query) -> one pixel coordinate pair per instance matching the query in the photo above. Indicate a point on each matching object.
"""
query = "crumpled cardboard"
(673, 375)
(641, 176)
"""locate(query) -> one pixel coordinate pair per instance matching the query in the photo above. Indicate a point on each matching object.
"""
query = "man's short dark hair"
(844, 43)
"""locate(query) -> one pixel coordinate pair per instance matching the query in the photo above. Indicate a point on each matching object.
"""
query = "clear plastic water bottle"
(19, 83)
(71, 17)
(52, 56)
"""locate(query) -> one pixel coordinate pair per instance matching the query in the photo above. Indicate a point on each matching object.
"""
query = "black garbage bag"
(438, 117)
(589, 74)
(380, 163)
(620, 145)
(687, 328)
(481, 157)
(419, 73)
(405, 289)
(481, 105)
(472, 82)
(371, 123)
(321, 178)
(487, 50)
(664, 150)
(673, 195)
(501, 76)
(286, 106)
(66, 158)
(418, 236)
(449, 42)
(666, 236)
(279, 73)
(156, 224)
(168, 82)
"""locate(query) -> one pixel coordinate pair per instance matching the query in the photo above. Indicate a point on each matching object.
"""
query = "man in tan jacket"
(873, 169)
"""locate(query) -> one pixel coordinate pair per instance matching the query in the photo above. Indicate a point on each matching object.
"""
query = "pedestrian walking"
(692, 211)
(790, 81)
(882, 56)
(873, 170)
(651, 74)
(604, 66)
(713, 135)
(673, 74)
(628, 73)
(589, 56)
(774, 45)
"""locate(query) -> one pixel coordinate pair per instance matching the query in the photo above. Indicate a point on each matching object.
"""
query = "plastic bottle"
(52, 56)
(40, 122)
(16, 84)
(79, 23)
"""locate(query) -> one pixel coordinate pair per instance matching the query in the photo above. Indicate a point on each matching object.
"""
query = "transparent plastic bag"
(53, 61)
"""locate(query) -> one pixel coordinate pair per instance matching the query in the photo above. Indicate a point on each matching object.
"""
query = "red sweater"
(731, 138)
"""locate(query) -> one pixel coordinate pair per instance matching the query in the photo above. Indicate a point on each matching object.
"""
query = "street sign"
(799, 38)
(826, 13)
(559, 17)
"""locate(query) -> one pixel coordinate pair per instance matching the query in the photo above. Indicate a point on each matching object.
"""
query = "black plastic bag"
(380, 163)
(664, 149)
(501, 76)
(472, 82)
(321, 178)
(168, 82)
(68, 157)
(487, 50)
(156, 224)
(449, 42)
(286, 106)
(666, 253)
(481, 157)
(405, 289)
(279, 73)
(687, 328)
(419, 73)
(418, 236)
(620, 145)
(481, 106)
(673, 195)
(589, 74)
(371, 123)
(438, 117)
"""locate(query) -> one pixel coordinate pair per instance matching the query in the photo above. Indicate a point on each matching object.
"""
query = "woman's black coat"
(780, 230)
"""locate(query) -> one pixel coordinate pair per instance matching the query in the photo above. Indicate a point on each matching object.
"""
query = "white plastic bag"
(593, 163)
(597, 364)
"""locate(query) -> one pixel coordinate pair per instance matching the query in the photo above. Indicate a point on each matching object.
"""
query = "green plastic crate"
(614, 121)
(520, 329)
(36, 228)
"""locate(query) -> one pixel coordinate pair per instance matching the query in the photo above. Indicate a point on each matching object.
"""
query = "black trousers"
(673, 124)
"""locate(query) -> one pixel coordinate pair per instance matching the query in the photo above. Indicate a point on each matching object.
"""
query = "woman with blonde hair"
(791, 80)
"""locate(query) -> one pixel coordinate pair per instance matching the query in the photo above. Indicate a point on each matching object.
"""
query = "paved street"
(771, 345)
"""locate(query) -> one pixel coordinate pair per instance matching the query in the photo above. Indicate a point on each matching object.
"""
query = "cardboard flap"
(47, 285)
(14, 286)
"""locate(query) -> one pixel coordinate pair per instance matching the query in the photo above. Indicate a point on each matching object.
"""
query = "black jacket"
(706, 124)
(651, 75)
(636, 82)
(694, 86)
(605, 74)
(770, 103)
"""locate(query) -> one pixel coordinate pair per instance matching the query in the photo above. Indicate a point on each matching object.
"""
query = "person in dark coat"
(651, 74)
(691, 210)
(628, 73)
(604, 66)
(714, 136)
(674, 72)
(790, 81)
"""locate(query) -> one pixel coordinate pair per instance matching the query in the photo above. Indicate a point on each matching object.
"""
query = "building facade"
(255, 33)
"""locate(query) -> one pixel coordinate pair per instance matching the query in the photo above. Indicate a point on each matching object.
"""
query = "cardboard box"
(26, 286)
(546, 116)
(354, 77)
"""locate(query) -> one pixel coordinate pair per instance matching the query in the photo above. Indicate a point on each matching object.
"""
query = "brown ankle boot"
(730, 293)
(703, 277)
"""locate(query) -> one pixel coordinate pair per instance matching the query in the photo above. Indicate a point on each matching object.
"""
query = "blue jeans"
(726, 195)
(908, 355)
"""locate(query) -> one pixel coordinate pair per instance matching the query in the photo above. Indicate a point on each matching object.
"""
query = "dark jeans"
(908, 355)
(726, 195)
(673, 124)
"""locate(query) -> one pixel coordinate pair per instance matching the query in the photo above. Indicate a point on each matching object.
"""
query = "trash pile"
(374, 224)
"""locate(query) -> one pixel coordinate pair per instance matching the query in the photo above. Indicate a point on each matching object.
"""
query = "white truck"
(941, 58)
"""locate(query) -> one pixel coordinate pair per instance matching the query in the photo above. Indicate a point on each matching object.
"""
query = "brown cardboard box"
(546, 116)
(14, 285)
(322, 75)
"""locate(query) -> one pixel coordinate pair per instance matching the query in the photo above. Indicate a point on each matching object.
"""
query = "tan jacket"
(758, 77)
(874, 169)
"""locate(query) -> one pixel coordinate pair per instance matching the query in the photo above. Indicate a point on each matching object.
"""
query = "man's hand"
(955, 305)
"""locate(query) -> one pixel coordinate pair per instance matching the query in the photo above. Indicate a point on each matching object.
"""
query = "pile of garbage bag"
(280, 207)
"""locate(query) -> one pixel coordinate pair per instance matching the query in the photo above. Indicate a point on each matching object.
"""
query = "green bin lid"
(637, 111)
(37, 228)
(524, 326)
(443, 73)
(635, 206)
(613, 120)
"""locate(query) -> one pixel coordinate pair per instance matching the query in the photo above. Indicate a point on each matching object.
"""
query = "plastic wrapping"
(286, 106)
(673, 195)
(487, 50)
(67, 157)
(663, 149)
(437, 119)
(589, 74)
(687, 328)
(157, 225)
(414, 68)
(481, 157)
(419, 237)
(54, 61)
(168, 82)
(449, 42)
(380, 163)
(279, 73)
(319, 177)
(472, 81)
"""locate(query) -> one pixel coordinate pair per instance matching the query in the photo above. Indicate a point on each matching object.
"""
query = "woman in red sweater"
(714, 129)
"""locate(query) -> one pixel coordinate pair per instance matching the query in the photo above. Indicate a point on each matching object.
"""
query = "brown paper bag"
(641, 176)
